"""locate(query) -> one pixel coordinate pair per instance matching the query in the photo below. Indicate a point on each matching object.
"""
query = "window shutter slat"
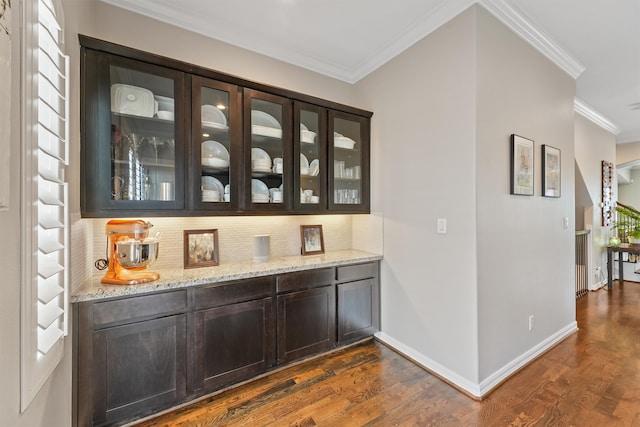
(49, 288)
(47, 338)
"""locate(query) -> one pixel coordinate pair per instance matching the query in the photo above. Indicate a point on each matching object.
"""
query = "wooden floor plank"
(590, 379)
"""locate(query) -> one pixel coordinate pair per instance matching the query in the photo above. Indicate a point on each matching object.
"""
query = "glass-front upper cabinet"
(268, 152)
(132, 115)
(348, 162)
(217, 145)
(310, 172)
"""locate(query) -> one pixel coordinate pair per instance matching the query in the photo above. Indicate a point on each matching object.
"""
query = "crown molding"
(522, 25)
(588, 112)
(627, 138)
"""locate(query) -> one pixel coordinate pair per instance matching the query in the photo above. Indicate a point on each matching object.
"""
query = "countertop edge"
(171, 279)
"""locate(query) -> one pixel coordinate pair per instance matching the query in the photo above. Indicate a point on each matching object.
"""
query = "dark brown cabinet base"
(137, 355)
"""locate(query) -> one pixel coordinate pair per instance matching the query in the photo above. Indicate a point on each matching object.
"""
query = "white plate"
(215, 163)
(260, 118)
(134, 100)
(259, 153)
(211, 183)
(214, 156)
(344, 142)
(304, 165)
(214, 125)
(259, 187)
(266, 131)
(314, 168)
(307, 136)
(210, 113)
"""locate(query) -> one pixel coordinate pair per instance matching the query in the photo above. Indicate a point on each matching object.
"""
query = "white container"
(261, 248)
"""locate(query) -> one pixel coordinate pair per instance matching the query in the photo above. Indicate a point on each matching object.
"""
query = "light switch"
(442, 225)
(566, 222)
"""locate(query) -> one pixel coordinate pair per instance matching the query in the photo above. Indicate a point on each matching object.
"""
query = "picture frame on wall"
(312, 239)
(521, 166)
(201, 248)
(550, 171)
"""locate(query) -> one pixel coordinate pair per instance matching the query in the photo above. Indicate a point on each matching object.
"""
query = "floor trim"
(469, 388)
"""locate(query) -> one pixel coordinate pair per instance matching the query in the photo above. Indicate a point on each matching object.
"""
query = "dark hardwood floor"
(590, 379)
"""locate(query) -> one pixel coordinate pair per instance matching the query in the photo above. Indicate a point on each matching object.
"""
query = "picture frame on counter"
(201, 248)
(312, 239)
(550, 171)
(521, 166)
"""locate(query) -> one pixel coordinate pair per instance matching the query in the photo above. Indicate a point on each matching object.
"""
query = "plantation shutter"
(45, 301)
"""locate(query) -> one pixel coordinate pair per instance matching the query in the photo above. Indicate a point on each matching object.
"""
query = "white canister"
(261, 248)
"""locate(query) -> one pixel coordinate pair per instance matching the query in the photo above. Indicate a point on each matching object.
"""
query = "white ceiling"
(347, 39)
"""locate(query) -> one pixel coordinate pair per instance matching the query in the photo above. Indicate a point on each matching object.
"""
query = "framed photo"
(550, 171)
(521, 166)
(312, 240)
(200, 248)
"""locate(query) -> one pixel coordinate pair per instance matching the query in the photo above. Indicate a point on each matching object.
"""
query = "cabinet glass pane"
(142, 136)
(310, 158)
(347, 167)
(267, 152)
(215, 147)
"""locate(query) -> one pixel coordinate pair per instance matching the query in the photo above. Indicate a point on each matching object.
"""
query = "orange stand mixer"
(131, 251)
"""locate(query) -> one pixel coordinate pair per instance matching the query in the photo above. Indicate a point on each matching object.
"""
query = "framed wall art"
(521, 166)
(607, 193)
(200, 248)
(550, 171)
(312, 239)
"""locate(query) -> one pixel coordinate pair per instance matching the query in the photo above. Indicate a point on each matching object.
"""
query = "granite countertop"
(181, 278)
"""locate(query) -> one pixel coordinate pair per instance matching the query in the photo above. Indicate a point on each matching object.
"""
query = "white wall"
(593, 145)
(629, 194)
(525, 254)
(423, 158)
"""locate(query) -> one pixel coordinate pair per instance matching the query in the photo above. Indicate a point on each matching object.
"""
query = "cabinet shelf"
(149, 163)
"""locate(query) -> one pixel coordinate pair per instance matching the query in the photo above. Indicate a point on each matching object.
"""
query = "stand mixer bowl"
(134, 253)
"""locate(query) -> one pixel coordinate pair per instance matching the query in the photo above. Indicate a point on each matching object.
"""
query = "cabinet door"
(306, 323)
(138, 368)
(356, 310)
(268, 166)
(233, 343)
(310, 145)
(133, 137)
(215, 161)
(348, 162)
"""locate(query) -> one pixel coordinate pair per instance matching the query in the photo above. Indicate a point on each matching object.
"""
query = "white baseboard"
(474, 389)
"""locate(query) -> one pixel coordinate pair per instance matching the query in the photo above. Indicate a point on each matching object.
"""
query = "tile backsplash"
(235, 235)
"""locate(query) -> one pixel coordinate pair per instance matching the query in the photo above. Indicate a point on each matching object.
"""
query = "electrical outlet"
(531, 323)
(598, 272)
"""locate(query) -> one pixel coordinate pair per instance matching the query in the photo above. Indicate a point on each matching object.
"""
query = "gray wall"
(445, 108)
(423, 152)
(525, 255)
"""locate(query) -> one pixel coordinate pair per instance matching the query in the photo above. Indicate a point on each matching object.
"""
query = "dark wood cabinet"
(138, 368)
(130, 356)
(358, 302)
(234, 339)
(140, 354)
(306, 314)
(149, 124)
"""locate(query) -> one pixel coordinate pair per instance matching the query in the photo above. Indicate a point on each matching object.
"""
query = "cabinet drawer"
(357, 272)
(145, 306)
(305, 280)
(217, 295)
